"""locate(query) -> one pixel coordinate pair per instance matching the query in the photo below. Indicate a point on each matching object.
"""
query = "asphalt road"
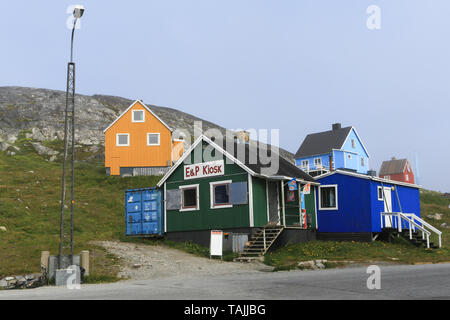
(397, 282)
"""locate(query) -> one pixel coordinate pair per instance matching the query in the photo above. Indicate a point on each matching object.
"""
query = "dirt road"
(144, 262)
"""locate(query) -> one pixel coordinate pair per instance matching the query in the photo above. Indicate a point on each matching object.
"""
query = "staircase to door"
(415, 237)
(261, 242)
(410, 227)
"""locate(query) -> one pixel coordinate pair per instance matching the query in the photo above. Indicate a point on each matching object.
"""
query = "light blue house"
(339, 148)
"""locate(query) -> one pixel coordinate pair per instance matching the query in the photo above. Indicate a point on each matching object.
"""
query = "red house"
(398, 170)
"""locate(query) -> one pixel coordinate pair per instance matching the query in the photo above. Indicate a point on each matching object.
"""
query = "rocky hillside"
(39, 115)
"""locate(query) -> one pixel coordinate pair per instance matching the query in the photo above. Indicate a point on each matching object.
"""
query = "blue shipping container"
(143, 212)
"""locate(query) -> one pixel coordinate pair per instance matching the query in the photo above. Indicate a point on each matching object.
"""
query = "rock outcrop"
(40, 113)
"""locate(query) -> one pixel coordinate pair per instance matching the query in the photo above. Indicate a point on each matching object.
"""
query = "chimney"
(393, 158)
(336, 126)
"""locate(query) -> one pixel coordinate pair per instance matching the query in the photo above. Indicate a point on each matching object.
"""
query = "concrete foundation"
(45, 255)
(53, 264)
(85, 261)
(70, 277)
(202, 237)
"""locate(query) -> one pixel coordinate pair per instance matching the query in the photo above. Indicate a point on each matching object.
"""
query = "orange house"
(138, 142)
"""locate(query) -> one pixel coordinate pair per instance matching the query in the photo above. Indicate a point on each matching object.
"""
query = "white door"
(387, 206)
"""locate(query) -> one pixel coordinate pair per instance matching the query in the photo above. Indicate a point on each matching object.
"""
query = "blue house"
(350, 205)
(339, 148)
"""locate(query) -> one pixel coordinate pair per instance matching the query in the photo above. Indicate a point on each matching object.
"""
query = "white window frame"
(363, 162)
(353, 143)
(304, 164)
(143, 115)
(190, 186)
(335, 186)
(317, 164)
(117, 140)
(387, 177)
(407, 177)
(378, 193)
(211, 194)
(148, 140)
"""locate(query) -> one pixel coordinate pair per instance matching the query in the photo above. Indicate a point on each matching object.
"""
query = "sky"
(293, 65)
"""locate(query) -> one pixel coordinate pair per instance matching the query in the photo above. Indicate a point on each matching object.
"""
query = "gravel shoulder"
(143, 262)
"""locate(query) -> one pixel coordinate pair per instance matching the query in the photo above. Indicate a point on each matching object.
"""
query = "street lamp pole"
(69, 124)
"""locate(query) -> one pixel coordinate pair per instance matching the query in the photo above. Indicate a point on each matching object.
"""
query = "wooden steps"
(261, 242)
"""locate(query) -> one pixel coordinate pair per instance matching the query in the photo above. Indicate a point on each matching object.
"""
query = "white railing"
(304, 168)
(429, 226)
(315, 167)
(264, 236)
(411, 218)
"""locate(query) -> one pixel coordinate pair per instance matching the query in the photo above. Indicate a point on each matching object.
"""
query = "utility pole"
(65, 239)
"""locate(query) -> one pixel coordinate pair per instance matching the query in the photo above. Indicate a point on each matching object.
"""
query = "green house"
(234, 188)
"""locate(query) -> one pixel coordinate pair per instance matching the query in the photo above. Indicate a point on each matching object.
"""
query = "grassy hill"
(30, 205)
(29, 209)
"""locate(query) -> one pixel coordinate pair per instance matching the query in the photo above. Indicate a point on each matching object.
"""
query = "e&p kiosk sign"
(205, 169)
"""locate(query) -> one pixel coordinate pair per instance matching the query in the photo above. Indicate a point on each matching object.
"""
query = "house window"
(153, 139)
(220, 194)
(407, 177)
(363, 163)
(189, 198)
(380, 193)
(328, 197)
(138, 116)
(387, 177)
(353, 143)
(305, 163)
(123, 140)
(349, 156)
(317, 162)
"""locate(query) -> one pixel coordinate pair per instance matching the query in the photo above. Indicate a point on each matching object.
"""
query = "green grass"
(29, 209)
(398, 251)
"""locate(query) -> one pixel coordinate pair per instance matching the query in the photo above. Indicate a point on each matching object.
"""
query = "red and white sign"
(206, 169)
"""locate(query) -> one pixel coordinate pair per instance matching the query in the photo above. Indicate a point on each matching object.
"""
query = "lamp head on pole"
(78, 11)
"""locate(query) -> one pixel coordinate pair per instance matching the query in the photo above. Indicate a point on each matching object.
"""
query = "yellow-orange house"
(138, 142)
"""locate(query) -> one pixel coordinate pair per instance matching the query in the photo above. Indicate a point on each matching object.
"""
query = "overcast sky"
(293, 65)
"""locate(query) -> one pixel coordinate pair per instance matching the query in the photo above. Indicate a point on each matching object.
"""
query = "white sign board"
(307, 188)
(205, 169)
(216, 243)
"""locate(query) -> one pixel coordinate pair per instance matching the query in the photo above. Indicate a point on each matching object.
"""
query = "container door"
(151, 212)
(133, 212)
(387, 207)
